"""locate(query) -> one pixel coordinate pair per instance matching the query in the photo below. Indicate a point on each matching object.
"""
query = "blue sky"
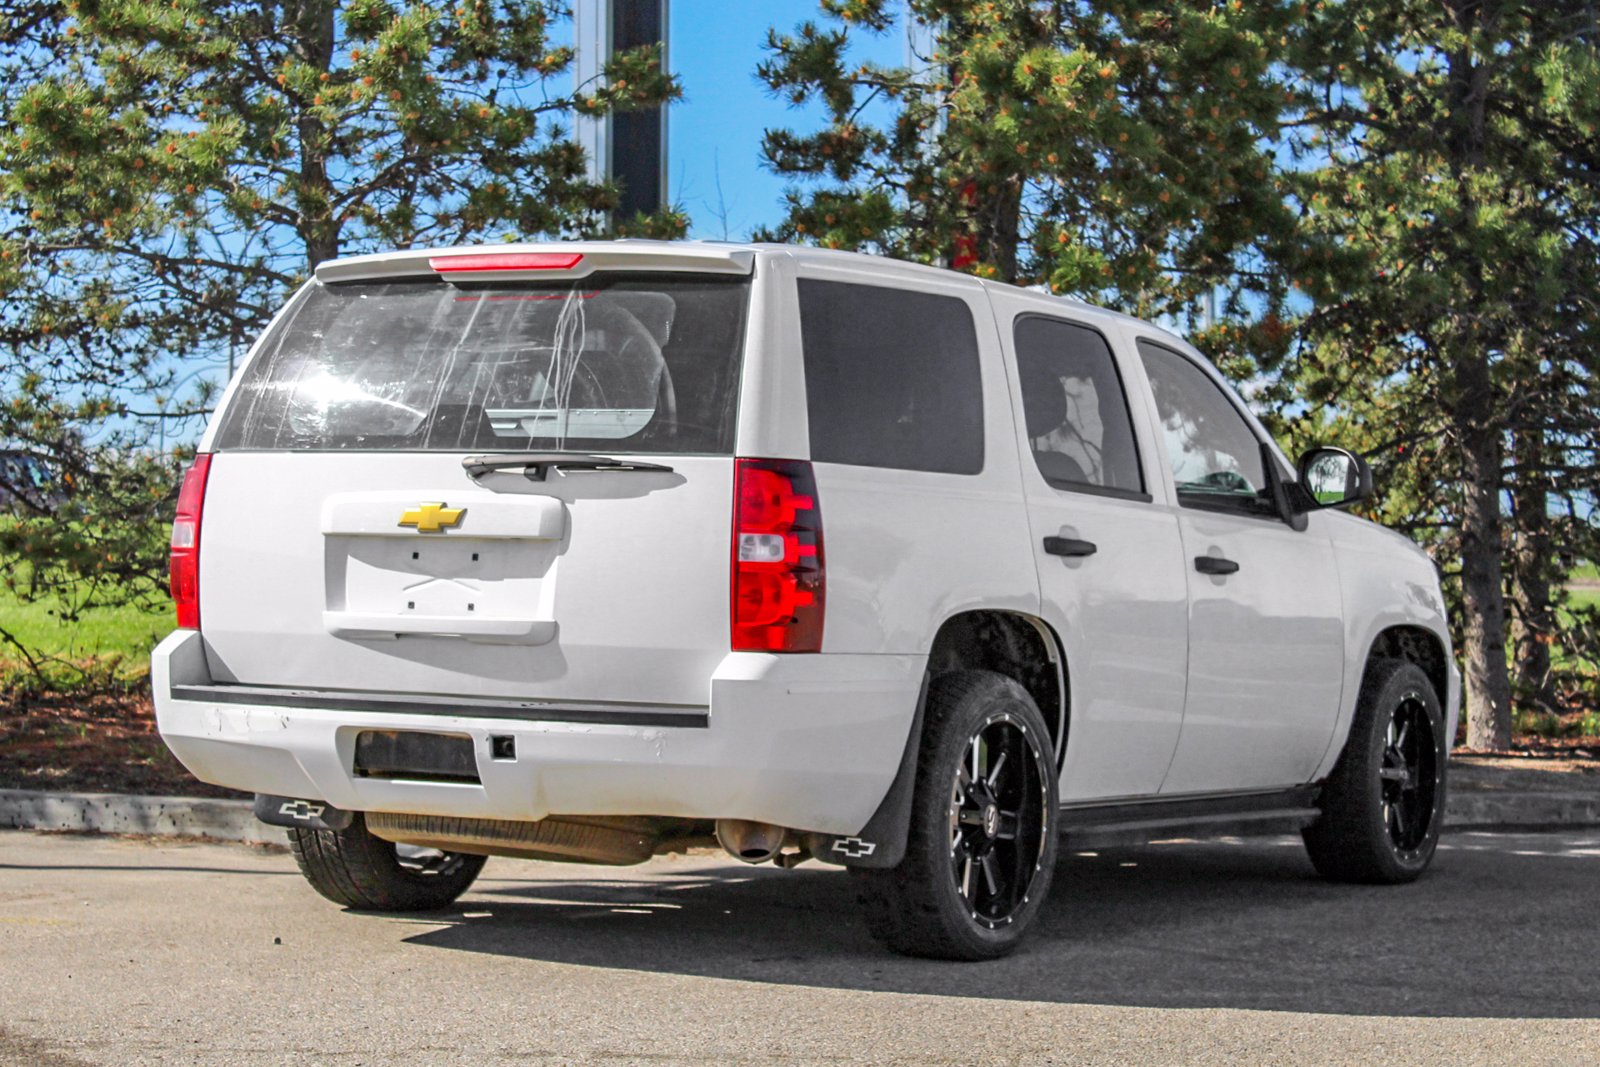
(715, 131)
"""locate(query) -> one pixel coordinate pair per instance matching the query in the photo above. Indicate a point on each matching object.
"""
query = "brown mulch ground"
(104, 744)
(109, 744)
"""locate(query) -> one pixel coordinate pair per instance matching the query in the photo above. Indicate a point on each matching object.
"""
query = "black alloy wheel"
(1383, 805)
(981, 844)
(1409, 774)
(998, 819)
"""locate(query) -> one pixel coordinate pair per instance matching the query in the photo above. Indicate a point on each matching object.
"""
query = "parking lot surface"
(119, 951)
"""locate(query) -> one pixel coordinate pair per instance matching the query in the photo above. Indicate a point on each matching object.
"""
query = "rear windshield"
(618, 363)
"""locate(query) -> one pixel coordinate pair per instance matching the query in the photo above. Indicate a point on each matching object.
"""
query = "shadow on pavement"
(1498, 928)
(97, 867)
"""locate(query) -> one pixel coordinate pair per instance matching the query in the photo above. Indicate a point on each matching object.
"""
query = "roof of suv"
(722, 257)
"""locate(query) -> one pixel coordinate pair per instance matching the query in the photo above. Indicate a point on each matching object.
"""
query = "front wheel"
(1383, 805)
(981, 847)
(360, 870)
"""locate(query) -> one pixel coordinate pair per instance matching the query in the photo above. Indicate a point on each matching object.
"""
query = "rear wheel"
(981, 847)
(1383, 805)
(357, 869)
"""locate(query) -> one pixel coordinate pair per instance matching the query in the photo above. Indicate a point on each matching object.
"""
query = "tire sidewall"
(999, 699)
(1403, 683)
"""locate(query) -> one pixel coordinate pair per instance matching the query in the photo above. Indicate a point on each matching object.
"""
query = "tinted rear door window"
(892, 378)
(1076, 411)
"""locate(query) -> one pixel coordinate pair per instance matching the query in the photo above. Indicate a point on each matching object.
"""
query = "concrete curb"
(119, 813)
(233, 820)
(1520, 811)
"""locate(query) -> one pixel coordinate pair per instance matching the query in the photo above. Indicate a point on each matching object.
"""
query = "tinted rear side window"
(622, 363)
(1076, 411)
(891, 378)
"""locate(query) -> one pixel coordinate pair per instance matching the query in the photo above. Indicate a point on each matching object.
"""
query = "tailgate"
(595, 585)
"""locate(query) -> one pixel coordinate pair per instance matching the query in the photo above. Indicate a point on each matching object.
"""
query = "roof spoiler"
(582, 258)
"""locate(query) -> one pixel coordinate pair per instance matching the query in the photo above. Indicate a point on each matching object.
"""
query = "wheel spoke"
(991, 874)
(967, 884)
(994, 772)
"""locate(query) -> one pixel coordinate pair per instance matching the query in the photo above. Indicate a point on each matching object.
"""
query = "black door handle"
(1069, 546)
(1214, 565)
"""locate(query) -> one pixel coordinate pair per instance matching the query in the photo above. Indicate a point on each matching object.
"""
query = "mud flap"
(881, 844)
(301, 814)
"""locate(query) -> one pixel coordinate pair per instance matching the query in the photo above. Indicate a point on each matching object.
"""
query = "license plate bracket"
(416, 755)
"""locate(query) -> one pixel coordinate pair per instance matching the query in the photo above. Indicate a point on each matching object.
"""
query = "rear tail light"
(185, 560)
(778, 582)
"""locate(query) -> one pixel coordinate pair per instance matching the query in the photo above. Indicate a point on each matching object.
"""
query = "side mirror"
(1334, 478)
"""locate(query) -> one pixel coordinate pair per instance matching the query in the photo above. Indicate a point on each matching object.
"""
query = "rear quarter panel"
(905, 550)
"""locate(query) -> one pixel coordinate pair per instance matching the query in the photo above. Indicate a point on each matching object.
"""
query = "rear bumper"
(810, 742)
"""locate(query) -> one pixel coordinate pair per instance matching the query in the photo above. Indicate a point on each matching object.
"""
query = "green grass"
(126, 633)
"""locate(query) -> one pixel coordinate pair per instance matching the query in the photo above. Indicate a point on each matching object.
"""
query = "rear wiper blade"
(536, 466)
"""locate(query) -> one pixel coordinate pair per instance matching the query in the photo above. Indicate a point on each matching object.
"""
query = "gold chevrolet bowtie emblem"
(431, 518)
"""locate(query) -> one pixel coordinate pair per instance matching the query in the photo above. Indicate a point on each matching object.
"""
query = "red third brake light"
(505, 261)
(185, 560)
(778, 578)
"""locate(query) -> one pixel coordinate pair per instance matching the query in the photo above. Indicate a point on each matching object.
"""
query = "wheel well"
(1018, 646)
(1419, 646)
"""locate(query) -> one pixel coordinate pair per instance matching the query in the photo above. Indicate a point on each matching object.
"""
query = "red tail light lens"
(184, 566)
(778, 582)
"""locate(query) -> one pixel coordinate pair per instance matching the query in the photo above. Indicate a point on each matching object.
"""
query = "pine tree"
(1448, 186)
(1114, 150)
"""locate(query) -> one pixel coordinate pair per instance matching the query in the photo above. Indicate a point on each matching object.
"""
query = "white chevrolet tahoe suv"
(596, 551)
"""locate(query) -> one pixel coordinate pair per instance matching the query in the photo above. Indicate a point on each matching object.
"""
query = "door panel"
(1120, 614)
(1266, 633)
(1266, 656)
(1111, 577)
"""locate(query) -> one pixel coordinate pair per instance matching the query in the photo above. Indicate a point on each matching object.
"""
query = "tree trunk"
(1533, 569)
(1482, 562)
(1477, 427)
(317, 226)
(1000, 227)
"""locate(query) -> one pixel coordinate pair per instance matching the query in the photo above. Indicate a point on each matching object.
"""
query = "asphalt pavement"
(127, 951)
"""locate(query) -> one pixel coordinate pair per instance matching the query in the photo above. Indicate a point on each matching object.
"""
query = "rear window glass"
(891, 378)
(625, 363)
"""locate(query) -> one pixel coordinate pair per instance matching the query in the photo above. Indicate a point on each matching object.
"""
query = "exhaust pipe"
(750, 842)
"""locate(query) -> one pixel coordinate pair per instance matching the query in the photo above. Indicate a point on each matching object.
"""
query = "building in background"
(631, 146)
(704, 154)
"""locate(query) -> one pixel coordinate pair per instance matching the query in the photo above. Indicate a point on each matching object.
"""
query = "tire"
(356, 869)
(986, 780)
(1383, 805)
